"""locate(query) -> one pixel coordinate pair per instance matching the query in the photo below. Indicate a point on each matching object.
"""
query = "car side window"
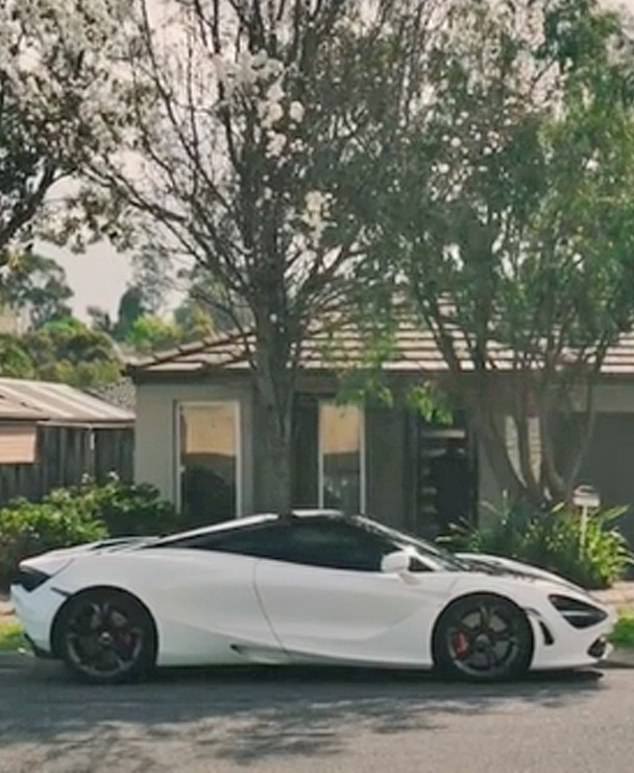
(324, 542)
(258, 541)
(333, 544)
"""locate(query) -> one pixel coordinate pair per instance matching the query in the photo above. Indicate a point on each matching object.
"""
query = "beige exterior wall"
(155, 448)
(609, 399)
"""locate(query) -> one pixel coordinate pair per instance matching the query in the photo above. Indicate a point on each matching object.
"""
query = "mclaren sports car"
(312, 587)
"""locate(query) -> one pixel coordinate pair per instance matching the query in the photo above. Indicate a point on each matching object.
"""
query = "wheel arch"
(55, 627)
(472, 594)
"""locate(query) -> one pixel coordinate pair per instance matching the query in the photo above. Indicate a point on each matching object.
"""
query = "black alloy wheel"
(483, 638)
(106, 637)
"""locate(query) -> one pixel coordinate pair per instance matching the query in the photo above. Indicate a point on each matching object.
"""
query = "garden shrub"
(554, 540)
(126, 509)
(28, 528)
(77, 515)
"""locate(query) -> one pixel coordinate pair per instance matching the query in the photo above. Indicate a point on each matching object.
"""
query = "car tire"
(483, 638)
(106, 636)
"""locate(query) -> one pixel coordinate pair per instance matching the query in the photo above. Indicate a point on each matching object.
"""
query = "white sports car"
(312, 587)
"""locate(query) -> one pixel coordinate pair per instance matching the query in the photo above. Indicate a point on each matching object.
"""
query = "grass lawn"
(623, 635)
(11, 638)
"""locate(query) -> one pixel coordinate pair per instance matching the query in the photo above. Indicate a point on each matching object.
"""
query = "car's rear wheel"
(483, 638)
(106, 637)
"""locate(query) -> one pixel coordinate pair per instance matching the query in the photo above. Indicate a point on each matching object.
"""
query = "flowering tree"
(237, 140)
(509, 224)
(53, 58)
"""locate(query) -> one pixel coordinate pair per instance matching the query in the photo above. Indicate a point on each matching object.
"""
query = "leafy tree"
(37, 285)
(132, 307)
(67, 350)
(150, 334)
(207, 307)
(508, 222)
(15, 360)
(195, 322)
(252, 123)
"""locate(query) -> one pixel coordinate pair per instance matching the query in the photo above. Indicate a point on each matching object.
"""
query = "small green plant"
(623, 634)
(555, 540)
(11, 637)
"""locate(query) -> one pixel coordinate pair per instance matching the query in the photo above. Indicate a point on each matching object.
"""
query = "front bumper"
(569, 647)
(36, 611)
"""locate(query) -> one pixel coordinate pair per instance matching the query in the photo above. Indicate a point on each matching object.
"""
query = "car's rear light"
(30, 578)
(578, 613)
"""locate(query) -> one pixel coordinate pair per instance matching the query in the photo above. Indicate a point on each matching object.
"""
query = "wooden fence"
(65, 454)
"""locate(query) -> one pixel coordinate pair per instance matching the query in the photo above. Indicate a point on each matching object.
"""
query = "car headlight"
(577, 613)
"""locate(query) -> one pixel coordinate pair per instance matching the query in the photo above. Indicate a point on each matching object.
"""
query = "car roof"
(249, 520)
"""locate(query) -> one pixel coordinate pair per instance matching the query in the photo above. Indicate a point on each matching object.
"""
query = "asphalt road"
(331, 721)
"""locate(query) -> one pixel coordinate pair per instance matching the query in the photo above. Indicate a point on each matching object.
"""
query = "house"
(52, 435)
(197, 435)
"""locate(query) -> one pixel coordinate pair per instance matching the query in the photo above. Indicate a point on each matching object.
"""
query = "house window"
(208, 484)
(341, 457)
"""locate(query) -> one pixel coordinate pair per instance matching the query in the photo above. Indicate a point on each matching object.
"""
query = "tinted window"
(316, 541)
(260, 541)
(334, 544)
(427, 550)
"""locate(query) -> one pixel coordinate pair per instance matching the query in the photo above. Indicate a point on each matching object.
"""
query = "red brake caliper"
(460, 644)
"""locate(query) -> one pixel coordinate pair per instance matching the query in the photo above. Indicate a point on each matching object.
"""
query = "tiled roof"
(44, 401)
(122, 394)
(415, 350)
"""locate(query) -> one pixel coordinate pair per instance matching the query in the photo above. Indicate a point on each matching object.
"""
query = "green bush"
(132, 509)
(27, 528)
(555, 541)
(82, 514)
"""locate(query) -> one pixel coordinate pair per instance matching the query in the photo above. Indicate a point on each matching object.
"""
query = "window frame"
(237, 429)
(362, 456)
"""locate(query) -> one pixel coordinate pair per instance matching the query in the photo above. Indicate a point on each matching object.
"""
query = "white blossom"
(296, 111)
(315, 214)
(271, 113)
(275, 93)
(275, 145)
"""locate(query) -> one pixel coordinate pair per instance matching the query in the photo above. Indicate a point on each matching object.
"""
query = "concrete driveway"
(312, 720)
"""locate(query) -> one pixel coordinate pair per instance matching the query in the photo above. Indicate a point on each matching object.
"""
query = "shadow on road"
(249, 715)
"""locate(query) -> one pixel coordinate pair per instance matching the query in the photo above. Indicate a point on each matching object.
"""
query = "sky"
(100, 276)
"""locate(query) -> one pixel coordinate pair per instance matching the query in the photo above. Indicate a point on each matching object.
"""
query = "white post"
(584, 527)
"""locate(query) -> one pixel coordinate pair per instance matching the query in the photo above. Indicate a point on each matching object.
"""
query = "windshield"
(439, 556)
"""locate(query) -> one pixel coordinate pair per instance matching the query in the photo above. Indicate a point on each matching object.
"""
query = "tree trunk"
(493, 442)
(275, 491)
(275, 388)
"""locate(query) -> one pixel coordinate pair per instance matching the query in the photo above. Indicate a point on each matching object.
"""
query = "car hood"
(481, 562)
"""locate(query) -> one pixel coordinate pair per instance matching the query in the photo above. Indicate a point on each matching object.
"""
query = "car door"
(204, 602)
(326, 598)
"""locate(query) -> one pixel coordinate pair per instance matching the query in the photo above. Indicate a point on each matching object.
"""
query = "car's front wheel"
(106, 636)
(483, 638)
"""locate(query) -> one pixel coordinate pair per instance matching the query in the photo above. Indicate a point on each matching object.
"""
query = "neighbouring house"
(197, 436)
(53, 435)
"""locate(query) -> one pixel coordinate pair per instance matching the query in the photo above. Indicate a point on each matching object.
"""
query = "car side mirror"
(397, 562)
